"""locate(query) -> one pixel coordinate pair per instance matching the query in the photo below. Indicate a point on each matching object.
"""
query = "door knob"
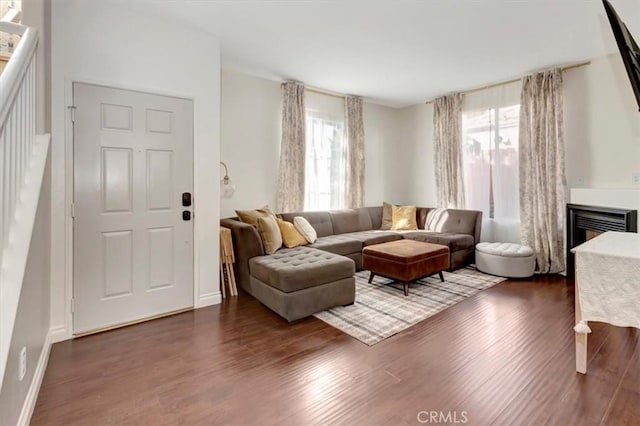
(186, 215)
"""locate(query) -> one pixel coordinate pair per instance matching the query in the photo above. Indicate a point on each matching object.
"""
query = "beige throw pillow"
(251, 216)
(291, 237)
(304, 227)
(404, 218)
(387, 219)
(270, 234)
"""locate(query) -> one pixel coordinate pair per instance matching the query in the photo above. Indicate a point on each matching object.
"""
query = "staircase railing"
(17, 122)
(22, 162)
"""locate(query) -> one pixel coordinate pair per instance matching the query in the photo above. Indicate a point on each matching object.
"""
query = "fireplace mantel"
(622, 198)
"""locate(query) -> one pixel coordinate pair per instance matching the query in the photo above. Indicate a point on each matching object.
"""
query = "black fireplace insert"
(585, 222)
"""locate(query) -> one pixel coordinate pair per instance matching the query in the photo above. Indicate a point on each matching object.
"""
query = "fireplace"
(586, 222)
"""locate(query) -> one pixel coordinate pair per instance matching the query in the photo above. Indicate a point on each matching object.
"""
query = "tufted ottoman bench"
(405, 260)
(301, 281)
(505, 259)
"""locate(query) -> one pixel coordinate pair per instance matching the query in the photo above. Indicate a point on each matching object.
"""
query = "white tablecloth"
(608, 278)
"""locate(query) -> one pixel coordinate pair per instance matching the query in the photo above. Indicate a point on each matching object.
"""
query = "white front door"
(133, 249)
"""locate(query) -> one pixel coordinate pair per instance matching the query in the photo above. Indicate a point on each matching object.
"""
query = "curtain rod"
(321, 91)
(502, 83)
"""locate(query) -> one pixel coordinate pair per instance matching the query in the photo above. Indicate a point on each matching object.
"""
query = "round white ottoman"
(505, 259)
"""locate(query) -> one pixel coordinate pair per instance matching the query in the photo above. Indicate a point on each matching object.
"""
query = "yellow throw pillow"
(270, 234)
(251, 216)
(404, 218)
(290, 235)
(387, 218)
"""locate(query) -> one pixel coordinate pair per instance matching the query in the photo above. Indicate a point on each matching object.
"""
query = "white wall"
(602, 126)
(410, 172)
(251, 114)
(31, 327)
(107, 43)
(380, 133)
(250, 120)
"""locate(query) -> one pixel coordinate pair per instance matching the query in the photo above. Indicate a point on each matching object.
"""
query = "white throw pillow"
(304, 227)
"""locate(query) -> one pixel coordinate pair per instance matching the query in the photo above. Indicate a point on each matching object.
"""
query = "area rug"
(381, 309)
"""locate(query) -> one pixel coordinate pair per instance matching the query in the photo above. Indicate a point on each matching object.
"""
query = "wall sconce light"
(227, 188)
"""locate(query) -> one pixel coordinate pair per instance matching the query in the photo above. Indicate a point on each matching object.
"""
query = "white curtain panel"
(542, 172)
(354, 195)
(291, 171)
(490, 119)
(447, 129)
(326, 160)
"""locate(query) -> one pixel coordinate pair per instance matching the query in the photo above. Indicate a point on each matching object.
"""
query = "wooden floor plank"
(503, 356)
(588, 400)
(623, 408)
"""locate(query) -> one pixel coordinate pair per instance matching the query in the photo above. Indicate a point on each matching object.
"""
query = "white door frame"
(199, 300)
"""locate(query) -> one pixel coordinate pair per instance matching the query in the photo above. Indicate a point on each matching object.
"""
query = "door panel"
(117, 117)
(117, 253)
(159, 121)
(116, 182)
(159, 178)
(133, 159)
(160, 243)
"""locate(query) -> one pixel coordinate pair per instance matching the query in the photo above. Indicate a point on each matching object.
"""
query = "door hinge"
(73, 210)
(72, 305)
(72, 111)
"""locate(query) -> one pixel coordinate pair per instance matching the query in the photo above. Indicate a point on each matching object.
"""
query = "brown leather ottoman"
(405, 260)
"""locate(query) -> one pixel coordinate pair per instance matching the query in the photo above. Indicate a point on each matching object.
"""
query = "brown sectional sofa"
(301, 281)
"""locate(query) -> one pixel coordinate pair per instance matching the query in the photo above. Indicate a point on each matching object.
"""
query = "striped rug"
(382, 310)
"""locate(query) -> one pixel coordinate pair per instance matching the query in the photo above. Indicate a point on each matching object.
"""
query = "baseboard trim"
(59, 334)
(209, 299)
(34, 389)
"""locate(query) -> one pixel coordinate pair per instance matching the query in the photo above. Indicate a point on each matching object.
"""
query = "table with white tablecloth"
(607, 286)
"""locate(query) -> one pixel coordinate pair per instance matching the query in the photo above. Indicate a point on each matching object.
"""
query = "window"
(325, 166)
(490, 161)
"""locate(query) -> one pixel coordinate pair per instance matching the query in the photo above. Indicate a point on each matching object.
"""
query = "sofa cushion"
(298, 268)
(455, 242)
(421, 216)
(270, 234)
(376, 216)
(303, 226)
(375, 236)
(404, 217)
(382, 217)
(344, 221)
(338, 244)
(291, 237)
(321, 221)
(251, 216)
(387, 219)
(451, 221)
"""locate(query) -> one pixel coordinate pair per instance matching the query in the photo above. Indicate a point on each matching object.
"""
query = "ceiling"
(402, 52)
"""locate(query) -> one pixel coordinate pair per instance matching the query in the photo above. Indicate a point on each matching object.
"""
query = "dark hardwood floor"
(504, 356)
